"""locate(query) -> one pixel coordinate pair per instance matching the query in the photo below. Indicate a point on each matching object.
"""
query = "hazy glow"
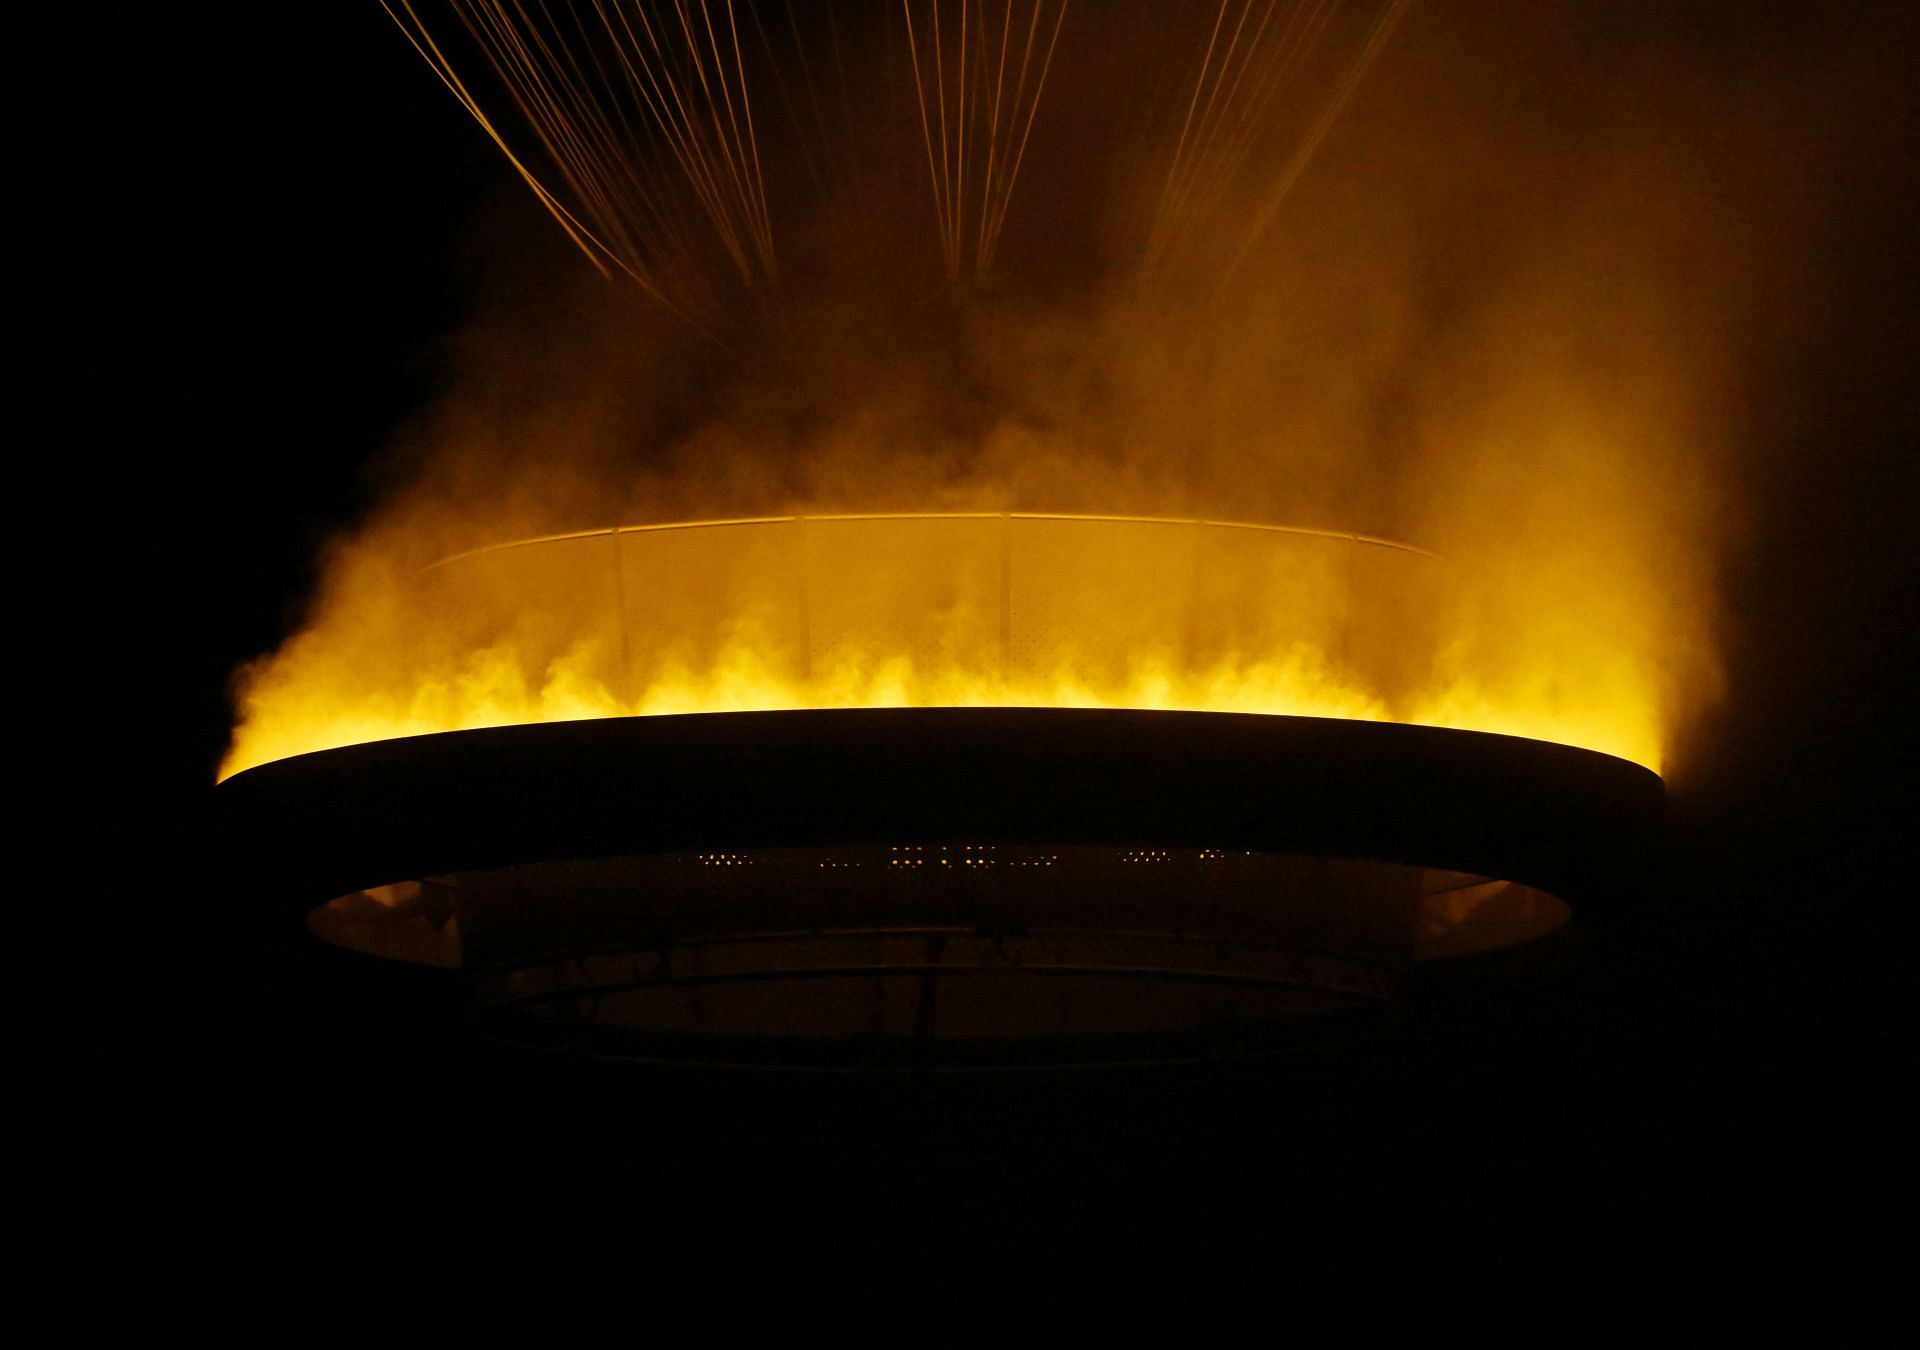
(961, 610)
(1481, 278)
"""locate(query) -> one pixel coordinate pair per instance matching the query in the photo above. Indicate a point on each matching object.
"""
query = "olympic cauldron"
(1004, 880)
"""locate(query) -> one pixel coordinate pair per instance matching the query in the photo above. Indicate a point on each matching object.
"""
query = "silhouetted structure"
(935, 888)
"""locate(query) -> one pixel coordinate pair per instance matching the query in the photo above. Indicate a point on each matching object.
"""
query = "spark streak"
(656, 158)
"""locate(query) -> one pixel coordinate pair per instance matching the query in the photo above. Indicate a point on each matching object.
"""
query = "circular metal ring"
(1572, 822)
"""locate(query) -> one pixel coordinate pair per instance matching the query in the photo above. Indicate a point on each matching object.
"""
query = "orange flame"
(911, 611)
(1501, 316)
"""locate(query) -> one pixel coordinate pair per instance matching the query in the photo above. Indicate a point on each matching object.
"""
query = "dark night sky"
(1711, 1075)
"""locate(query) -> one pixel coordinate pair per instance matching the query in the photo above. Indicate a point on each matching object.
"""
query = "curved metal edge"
(612, 531)
(1581, 825)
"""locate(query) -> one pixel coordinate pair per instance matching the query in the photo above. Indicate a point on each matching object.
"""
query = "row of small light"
(908, 855)
(724, 859)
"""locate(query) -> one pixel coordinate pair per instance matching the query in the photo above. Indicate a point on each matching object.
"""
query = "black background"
(1707, 1087)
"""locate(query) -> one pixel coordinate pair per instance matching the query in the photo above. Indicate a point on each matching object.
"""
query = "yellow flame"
(974, 610)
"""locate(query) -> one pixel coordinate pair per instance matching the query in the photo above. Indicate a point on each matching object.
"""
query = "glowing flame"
(1498, 317)
(890, 611)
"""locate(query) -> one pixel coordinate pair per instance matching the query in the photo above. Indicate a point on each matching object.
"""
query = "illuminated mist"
(1457, 276)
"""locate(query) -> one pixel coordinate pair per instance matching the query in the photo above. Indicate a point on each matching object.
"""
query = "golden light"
(1017, 564)
(910, 610)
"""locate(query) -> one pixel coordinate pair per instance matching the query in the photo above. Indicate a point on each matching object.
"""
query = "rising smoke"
(1503, 311)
